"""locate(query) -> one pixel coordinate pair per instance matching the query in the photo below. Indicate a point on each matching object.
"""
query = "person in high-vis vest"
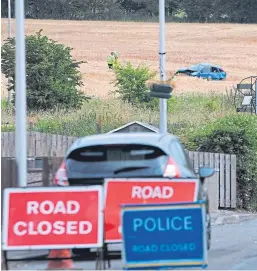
(111, 60)
(116, 61)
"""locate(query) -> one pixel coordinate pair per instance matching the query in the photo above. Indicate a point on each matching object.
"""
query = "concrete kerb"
(230, 217)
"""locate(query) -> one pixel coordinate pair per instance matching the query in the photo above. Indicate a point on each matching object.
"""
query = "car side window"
(214, 69)
(179, 152)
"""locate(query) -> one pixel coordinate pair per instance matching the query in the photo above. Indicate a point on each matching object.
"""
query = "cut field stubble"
(232, 46)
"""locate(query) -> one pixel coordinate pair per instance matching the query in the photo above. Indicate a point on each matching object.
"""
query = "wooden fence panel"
(5, 145)
(227, 181)
(212, 183)
(65, 144)
(38, 140)
(233, 182)
(222, 181)
(207, 159)
(54, 145)
(29, 146)
(217, 175)
(59, 146)
(12, 143)
(222, 186)
(195, 161)
(38, 144)
(200, 159)
(33, 143)
(49, 142)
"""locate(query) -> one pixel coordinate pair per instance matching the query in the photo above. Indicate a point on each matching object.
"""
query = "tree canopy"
(234, 11)
(52, 75)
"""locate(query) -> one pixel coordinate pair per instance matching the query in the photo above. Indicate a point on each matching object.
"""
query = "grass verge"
(186, 112)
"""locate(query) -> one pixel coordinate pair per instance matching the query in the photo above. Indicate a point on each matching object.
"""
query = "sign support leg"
(101, 253)
(100, 260)
(106, 256)
(5, 261)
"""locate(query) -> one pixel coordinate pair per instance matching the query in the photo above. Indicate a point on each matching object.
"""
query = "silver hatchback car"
(92, 159)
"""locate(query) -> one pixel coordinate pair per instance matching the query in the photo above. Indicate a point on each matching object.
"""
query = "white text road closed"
(22, 228)
(48, 207)
(53, 217)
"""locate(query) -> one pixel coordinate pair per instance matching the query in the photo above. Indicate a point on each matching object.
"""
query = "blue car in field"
(204, 70)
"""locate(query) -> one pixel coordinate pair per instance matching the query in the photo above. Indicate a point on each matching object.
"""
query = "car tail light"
(172, 170)
(61, 177)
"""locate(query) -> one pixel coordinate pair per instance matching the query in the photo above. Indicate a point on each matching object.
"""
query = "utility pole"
(10, 94)
(162, 57)
(9, 19)
(20, 101)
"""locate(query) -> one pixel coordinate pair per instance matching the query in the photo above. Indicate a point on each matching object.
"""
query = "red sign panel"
(138, 191)
(54, 217)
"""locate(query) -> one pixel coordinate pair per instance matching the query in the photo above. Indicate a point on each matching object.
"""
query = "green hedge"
(235, 134)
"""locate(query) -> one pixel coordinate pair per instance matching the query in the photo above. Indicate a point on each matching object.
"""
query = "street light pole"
(20, 97)
(9, 19)
(10, 94)
(162, 57)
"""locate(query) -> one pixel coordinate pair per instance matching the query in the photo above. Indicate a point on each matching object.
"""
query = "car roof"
(209, 64)
(152, 139)
(198, 66)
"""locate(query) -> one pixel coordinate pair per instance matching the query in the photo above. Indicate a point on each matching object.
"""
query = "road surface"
(234, 247)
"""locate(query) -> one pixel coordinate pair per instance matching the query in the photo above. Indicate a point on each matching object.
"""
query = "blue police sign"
(164, 235)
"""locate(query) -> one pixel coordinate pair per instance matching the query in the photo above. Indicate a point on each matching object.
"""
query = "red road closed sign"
(54, 217)
(142, 191)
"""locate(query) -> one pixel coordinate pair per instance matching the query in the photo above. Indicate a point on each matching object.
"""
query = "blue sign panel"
(165, 235)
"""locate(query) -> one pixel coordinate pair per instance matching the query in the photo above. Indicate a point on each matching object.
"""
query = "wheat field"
(232, 46)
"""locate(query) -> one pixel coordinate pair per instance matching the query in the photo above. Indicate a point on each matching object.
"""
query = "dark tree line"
(235, 11)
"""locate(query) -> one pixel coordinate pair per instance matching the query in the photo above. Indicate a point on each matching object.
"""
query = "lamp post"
(9, 19)
(162, 57)
(20, 97)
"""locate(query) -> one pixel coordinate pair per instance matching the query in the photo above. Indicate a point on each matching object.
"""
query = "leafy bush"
(235, 134)
(4, 104)
(52, 76)
(130, 83)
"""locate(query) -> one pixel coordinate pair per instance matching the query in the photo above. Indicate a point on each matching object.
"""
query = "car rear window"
(106, 161)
